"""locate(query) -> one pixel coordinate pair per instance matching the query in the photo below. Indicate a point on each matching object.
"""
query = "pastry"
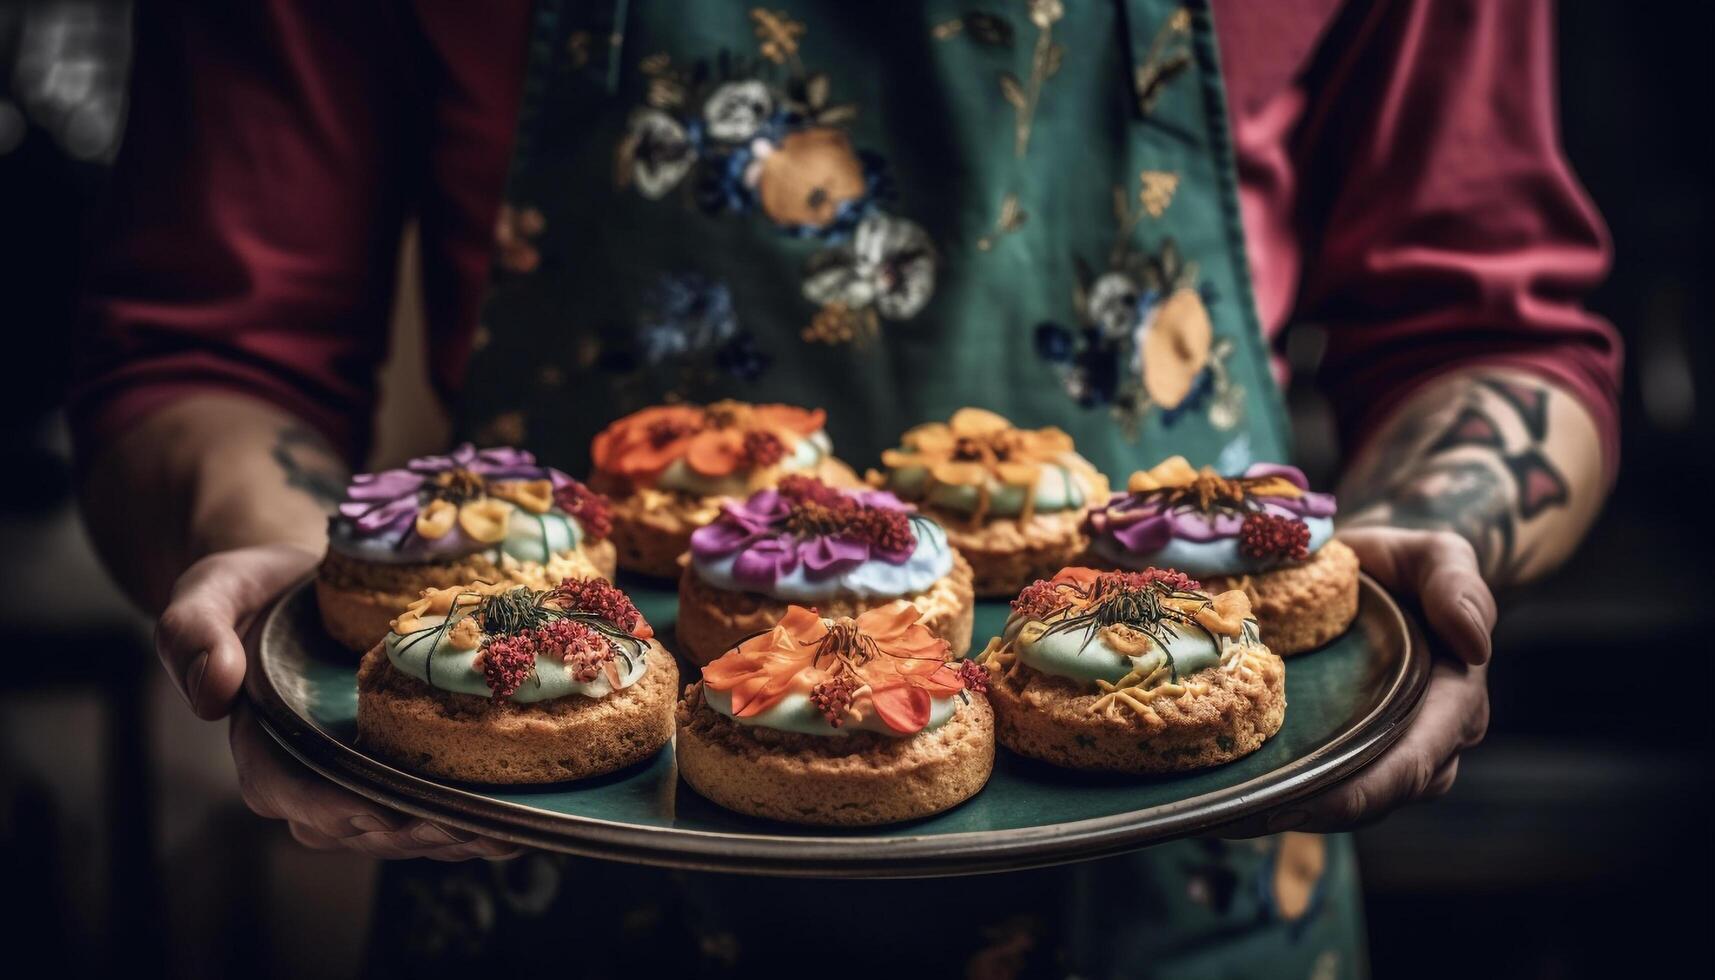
(1264, 533)
(473, 515)
(841, 551)
(846, 721)
(669, 469)
(1012, 500)
(509, 684)
(1135, 672)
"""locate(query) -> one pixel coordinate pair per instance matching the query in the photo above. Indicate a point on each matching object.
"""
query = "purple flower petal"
(830, 555)
(767, 559)
(1150, 534)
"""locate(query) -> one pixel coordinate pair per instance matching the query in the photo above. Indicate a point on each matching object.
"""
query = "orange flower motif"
(976, 445)
(896, 665)
(710, 439)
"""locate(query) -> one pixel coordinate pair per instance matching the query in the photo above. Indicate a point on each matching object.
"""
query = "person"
(891, 212)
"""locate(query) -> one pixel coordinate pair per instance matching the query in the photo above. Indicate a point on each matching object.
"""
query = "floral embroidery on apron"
(746, 141)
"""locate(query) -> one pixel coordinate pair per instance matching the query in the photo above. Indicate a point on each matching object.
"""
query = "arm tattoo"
(1476, 466)
(309, 465)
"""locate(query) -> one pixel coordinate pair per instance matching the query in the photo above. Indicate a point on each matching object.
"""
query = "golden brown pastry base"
(359, 599)
(855, 780)
(479, 740)
(1055, 719)
(712, 620)
(652, 528)
(1007, 554)
(1304, 606)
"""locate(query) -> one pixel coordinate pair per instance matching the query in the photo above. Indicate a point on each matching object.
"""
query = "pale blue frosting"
(795, 713)
(1201, 559)
(529, 537)
(430, 659)
(930, 561)
(1067, 654)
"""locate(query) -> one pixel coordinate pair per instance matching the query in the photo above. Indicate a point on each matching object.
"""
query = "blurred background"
(1578, 838)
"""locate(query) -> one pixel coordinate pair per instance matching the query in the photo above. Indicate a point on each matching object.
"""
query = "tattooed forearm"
(1507, 461)
(309, 465)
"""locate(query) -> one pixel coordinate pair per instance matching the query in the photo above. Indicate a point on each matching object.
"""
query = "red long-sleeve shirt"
(1399, 167)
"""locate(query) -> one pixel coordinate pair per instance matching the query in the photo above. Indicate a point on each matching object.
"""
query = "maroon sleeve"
(255, 215)
(1452, 231)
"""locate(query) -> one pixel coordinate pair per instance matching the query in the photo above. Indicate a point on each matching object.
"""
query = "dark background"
(1576, 842)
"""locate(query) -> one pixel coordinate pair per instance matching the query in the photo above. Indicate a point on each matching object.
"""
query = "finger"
(1444, 779)
(402, 845)
(313, 838)
(1440, 568)
(1454, 713)
(276, 785)
(197, 636)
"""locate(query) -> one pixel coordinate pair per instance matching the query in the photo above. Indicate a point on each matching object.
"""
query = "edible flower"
(714, 440)
(884, 661)
(976, 446)
(806, 522)
(1174, 500)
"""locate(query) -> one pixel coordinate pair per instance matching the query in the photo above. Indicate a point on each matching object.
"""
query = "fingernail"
(430, 833)
(193, 678)
(369, 823)
(1287, 820)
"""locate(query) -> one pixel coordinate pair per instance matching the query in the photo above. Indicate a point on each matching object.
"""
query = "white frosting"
(795, 713)
(429, 658)
(930, 561)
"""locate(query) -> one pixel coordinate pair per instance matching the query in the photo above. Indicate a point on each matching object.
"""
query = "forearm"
(206, 474)
(1504, 458)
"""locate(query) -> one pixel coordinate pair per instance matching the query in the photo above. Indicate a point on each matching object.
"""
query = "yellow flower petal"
(1226, 613)
(978, 422)
(1174, 471)
(485, 520)
(1017, 474)
(933, 438)
(535, 496)
(952, 473)
(435, 520)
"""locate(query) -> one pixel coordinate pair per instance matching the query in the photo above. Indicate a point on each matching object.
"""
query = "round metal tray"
(1345, 703)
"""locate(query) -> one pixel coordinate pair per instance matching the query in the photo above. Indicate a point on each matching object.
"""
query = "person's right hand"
(198, 638)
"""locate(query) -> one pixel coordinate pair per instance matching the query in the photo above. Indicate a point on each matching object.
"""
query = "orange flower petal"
(902, 707)
(977, 422)
(803, 421)
(715, 453)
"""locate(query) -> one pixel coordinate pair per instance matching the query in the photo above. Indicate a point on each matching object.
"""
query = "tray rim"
(809, 855)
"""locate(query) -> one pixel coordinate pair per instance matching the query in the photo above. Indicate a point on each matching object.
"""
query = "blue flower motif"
(743, 358)
(683, 315)
(1054, 343)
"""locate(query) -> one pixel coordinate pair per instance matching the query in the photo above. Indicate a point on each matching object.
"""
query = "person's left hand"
(1439, 570)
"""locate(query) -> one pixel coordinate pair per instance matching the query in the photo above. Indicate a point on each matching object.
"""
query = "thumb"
(213, 602)
(1440, 569)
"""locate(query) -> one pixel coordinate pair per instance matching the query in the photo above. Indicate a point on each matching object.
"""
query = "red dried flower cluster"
(1039, 600)
(1172, 578)
(1272, 537)
(578, 645)
(800, 489)
(591, 509)
(762, 449)
(820, 510)
(507, 662)
(663, 432)
(974, 675)
(598, 598)
(833, 697)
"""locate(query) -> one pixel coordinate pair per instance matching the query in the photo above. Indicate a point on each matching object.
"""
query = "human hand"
(198, 640)
(1439, 570)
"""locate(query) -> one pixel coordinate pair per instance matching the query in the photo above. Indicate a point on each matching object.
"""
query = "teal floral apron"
(889, 210)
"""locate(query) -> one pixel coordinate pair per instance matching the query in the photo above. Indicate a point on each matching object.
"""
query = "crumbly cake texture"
(652, 528)
(1007, 553)
(358, 599)
(480, 740)
(856, 780)
(712, 620)
(1219, 717)
(1301, 607)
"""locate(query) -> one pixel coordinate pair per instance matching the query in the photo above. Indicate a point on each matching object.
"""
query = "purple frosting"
(1143, 525)
(384, 505)
(755, 531)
